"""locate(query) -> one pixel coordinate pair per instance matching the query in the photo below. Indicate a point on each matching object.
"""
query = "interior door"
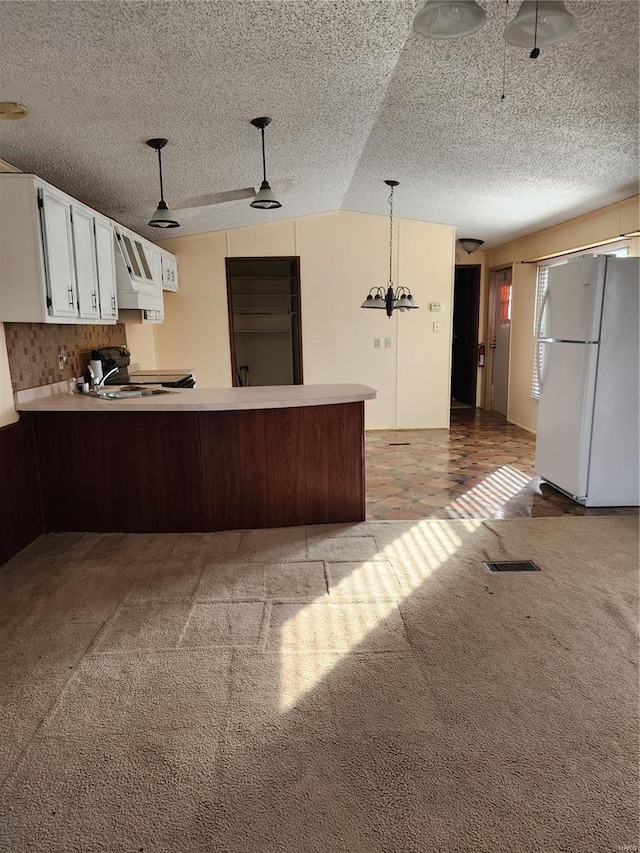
(86, 272)
(466, 303)
(58, 253)
(501, 338)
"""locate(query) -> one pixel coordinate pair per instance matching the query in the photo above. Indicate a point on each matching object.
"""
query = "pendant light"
(540, 22)
(449, 19)
(162, 218)
(265, 198)
(470, 245)
(399, 298)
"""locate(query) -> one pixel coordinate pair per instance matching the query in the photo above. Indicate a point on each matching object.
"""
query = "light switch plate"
(387, 343)
(376, 343)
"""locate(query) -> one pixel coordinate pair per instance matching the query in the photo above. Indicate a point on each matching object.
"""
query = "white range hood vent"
(138, 278)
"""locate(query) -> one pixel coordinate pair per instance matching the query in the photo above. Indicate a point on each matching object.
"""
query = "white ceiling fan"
(263, 198)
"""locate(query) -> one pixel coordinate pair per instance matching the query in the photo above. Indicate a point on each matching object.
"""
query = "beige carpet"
(349, 688)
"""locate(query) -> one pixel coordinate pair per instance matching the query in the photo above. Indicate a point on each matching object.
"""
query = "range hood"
(138, 272)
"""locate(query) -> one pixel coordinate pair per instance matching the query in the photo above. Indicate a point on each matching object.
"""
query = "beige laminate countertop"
(208, 399)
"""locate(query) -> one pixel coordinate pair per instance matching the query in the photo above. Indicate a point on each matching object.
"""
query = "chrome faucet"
(97, 384)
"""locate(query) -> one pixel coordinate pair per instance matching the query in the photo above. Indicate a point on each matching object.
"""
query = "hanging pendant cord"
(535, 53)
(504, 52)
(264, 161)
(160, 167)
(391, 238)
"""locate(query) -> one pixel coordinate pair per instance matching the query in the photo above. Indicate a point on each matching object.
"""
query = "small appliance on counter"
(120, 357)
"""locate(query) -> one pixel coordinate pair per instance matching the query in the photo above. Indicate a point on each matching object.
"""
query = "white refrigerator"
(588, 440)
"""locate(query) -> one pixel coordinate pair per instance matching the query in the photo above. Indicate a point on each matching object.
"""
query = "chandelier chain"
(391, 237)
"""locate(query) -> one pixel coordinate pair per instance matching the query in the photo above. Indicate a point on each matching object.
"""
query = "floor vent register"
(511, 566)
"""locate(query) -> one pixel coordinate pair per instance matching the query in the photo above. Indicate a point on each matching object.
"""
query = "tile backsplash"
(32, 350)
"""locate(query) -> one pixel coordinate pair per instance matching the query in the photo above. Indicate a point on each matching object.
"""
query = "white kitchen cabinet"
(51, 268)
(84, 250)
(155, 256)
(169, 272)
(106, 266)
(57, 241)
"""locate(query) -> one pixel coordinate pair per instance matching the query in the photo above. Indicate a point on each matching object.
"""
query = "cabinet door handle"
(94, 301)
(71, 302)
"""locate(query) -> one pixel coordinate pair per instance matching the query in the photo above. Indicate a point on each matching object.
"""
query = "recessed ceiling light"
(11, 110)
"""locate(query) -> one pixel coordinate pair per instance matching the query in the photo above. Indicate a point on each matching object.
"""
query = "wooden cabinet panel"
(220, 448)
(20, 511)
(189, 471)
(285, 452)
(120, 472)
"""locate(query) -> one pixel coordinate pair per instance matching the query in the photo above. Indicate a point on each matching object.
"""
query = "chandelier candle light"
(399, 298)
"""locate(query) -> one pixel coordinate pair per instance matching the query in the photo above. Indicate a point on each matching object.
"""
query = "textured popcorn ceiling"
(356, 96)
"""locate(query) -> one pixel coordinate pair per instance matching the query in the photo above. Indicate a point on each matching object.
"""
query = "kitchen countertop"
(209, 399)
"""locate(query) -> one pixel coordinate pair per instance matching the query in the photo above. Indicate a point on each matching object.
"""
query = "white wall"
(342, 255)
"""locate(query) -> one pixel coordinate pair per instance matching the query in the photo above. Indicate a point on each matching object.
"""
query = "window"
(619, 250)
(503, 284)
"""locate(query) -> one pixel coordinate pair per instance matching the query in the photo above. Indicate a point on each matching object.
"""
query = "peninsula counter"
(201, 459)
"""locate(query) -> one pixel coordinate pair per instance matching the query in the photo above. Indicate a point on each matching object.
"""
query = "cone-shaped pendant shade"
(555, 23)
(449, 19)
(265, 198)
(163, 218)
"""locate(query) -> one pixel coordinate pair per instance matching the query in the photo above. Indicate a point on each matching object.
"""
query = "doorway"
(500, 339)
(265, 331)
(466, 314)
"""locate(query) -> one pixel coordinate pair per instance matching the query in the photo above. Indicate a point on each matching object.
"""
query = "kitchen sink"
(129, 391)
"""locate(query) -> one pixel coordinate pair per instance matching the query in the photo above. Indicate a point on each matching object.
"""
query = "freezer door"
(565, 415)
(573, 305)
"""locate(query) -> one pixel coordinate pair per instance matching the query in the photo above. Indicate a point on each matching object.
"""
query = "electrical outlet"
(62, 357)
(376, 343)
(436, 326)
(387, 343)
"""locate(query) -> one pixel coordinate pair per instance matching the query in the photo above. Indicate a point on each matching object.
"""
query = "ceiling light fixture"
(265, 198)
(540, 22)
(11, 111)
(399, 298)
(470, 245)
(449, 19)
(162, 218)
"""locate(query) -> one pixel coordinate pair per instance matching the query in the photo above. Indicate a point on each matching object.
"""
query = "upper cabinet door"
(169, 273)
(58, 253)
(131, 257)
(105, 262)
(85, 257)
(145, 261)
(155, 256)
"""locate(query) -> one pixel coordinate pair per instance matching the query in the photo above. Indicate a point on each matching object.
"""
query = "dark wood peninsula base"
(189, 471)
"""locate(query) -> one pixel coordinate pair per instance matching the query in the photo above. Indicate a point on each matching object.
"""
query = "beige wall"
(141, 343)
(606, 223)
(342, 255)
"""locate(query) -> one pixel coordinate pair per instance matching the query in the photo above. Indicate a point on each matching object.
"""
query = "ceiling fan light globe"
(163, 218)
(265, 198)
(449, 19)
(555, 23)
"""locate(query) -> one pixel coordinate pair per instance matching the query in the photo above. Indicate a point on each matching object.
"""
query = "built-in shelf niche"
(263, 297)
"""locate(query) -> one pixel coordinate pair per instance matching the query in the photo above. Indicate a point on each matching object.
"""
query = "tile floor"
(482, 468)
